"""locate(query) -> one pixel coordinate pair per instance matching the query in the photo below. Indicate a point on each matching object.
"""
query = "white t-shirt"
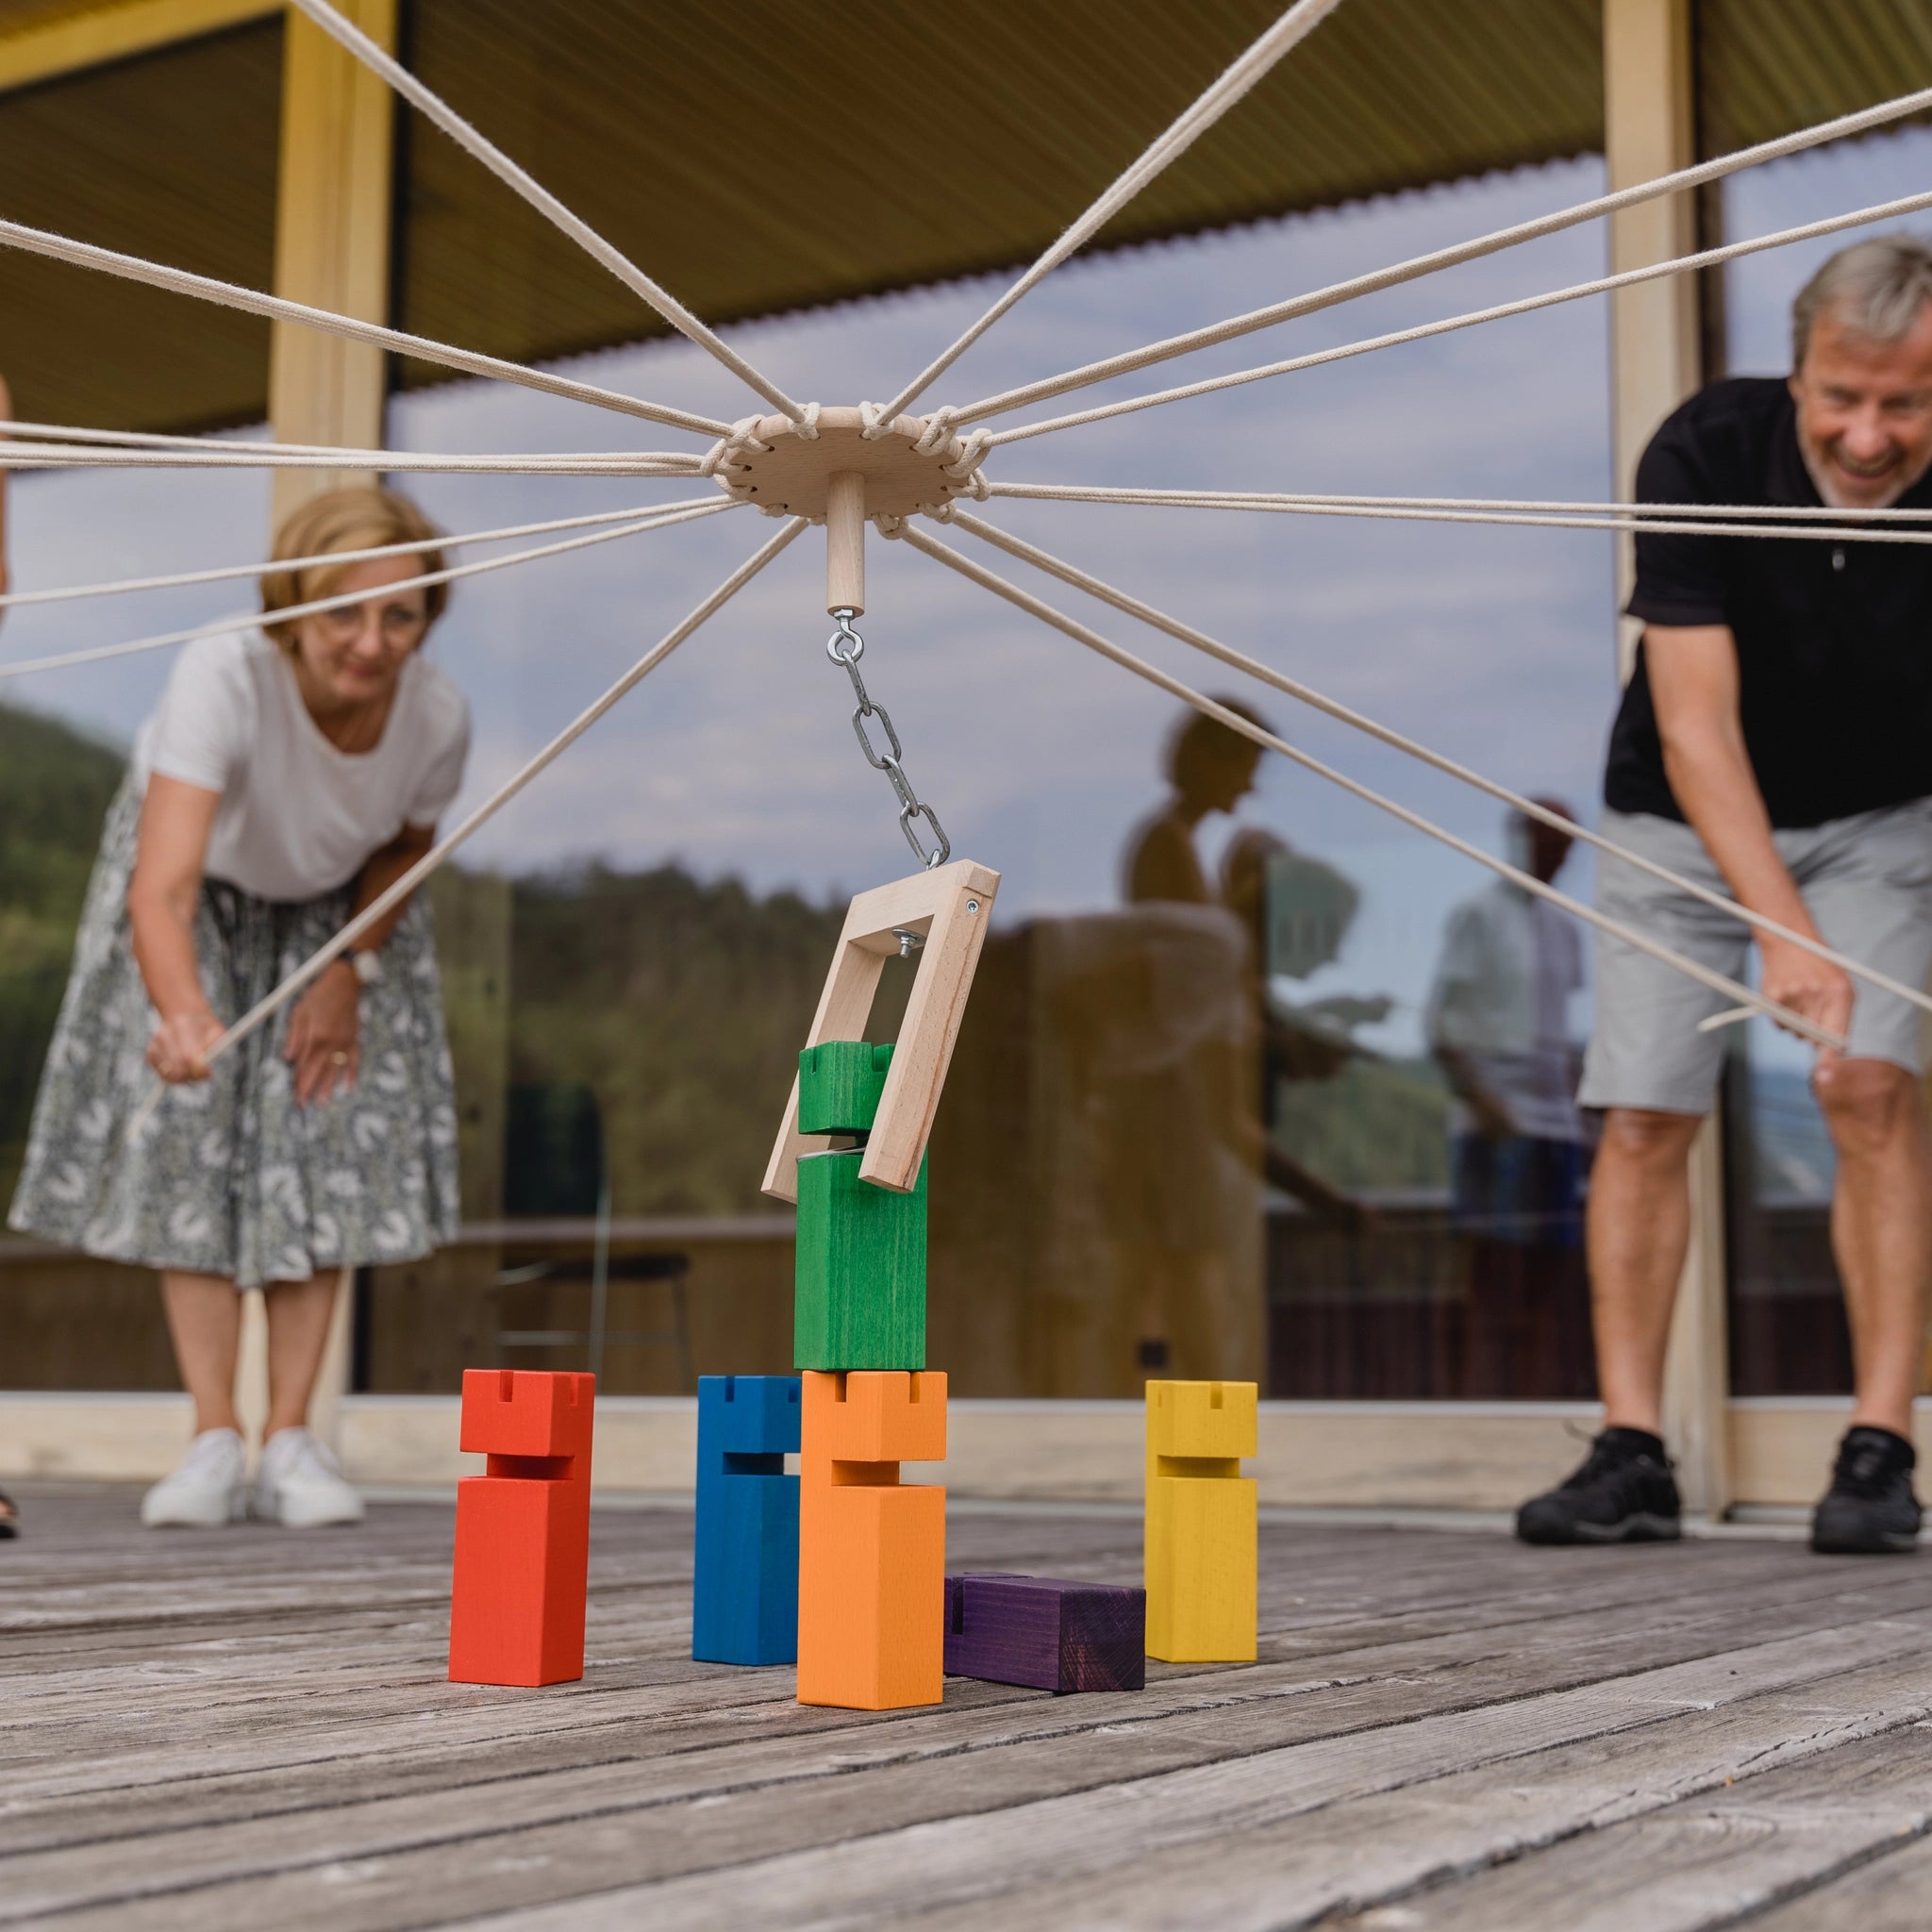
(298, 817)
(1509, 965)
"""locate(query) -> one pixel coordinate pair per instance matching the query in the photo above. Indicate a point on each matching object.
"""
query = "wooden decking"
(250, 1729)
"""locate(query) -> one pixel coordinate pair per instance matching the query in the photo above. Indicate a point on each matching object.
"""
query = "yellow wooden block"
(1201, 1543)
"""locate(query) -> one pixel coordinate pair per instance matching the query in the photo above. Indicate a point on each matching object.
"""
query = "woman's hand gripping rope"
(179, 1048)
(319, 962)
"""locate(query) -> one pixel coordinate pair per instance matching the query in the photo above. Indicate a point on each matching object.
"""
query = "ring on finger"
(339, 1059)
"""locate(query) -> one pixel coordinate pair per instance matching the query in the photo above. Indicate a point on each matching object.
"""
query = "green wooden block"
(860, 1296)
(839, 1086)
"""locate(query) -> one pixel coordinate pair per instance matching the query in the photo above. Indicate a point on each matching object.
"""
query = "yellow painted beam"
(90, 36)
(332, 243)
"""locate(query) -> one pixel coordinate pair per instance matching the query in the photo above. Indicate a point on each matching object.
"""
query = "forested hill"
(55, 787)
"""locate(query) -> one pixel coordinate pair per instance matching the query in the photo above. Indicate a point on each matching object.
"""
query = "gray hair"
(1878, 288)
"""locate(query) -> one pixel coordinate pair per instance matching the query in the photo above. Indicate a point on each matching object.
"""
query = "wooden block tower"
(1200, 1534)
(872, 1550)
(523, 1529)
(744, 1587)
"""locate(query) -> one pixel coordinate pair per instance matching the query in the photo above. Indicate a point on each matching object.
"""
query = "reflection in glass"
(1499, 1026)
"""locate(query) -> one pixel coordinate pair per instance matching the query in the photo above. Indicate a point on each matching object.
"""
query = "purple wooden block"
(1051, 1636)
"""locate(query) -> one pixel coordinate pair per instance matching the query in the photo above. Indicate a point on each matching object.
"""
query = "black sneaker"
(1869, 1509)
(1623, 1493)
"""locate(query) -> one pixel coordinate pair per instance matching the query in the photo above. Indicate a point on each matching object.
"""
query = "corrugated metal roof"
(173, 157)
(1767, 66)
(768, 155)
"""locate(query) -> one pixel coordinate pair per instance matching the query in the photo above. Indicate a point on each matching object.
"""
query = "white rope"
(1293, 26)
(381, 906)
(1844, 126)
(178, 281)
(1555, 518)
(228, 572)
(270, 455)
(587, 238)
(1189, 498)
(1731, 989)
(1708, 257)
(673, 513)
(1383, 734)
(141, 439)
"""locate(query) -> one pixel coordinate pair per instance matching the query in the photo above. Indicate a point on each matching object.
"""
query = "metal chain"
(846, 648)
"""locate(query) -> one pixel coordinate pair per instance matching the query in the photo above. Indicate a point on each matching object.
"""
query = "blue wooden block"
(744, 1587)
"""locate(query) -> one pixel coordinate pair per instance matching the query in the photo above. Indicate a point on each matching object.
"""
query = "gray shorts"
(1867, 883)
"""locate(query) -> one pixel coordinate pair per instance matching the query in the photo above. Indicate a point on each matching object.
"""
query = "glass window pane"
(1199, 1119)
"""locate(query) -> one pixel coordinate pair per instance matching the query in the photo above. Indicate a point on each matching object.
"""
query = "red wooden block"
(523, 1529)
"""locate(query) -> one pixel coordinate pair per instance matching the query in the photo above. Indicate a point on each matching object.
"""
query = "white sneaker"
(299, 1484)
(207, 1491)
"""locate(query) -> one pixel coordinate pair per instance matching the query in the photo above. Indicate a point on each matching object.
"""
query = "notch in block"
(521, 1412)
(1201, 1424)
(744, 1587)
(1049, 1635)
(840, 1084)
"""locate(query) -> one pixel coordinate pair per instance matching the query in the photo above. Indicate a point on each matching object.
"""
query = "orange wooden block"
(523, 1529)
(872, 1551)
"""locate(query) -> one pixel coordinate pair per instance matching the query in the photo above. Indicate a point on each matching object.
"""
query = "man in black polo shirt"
(1776, 740)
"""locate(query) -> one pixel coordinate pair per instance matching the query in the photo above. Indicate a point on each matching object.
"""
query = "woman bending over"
(291, 772)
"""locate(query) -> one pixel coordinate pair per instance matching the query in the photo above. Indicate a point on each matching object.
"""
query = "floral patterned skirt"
(229, 1175)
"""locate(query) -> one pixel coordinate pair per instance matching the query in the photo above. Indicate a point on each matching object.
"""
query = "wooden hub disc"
(791, 475)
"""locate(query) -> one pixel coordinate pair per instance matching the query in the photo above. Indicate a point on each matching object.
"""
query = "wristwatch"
(366, 965)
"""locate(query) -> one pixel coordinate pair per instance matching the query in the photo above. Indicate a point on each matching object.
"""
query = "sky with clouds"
(1494, 644)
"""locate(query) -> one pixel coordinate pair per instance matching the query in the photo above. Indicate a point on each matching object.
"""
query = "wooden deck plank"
(1884, 1894)
(253, 1726)
(995, 1818)
(1148, 1852)
(1353, 1689)
(1729, 1856)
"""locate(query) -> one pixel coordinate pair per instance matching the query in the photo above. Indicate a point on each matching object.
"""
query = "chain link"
(846, 648)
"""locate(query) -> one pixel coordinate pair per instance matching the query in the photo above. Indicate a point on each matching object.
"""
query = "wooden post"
(332, 243)
(1656, 361)
(844, 542)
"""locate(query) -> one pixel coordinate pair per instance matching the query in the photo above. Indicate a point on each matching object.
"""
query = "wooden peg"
(744, 1583)
(1049, 1635)
(845, 540)
(872, 1550)
(1200, 1524)
(522, 1529)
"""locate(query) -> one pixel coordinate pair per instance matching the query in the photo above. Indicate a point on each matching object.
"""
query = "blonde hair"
(363, 519)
